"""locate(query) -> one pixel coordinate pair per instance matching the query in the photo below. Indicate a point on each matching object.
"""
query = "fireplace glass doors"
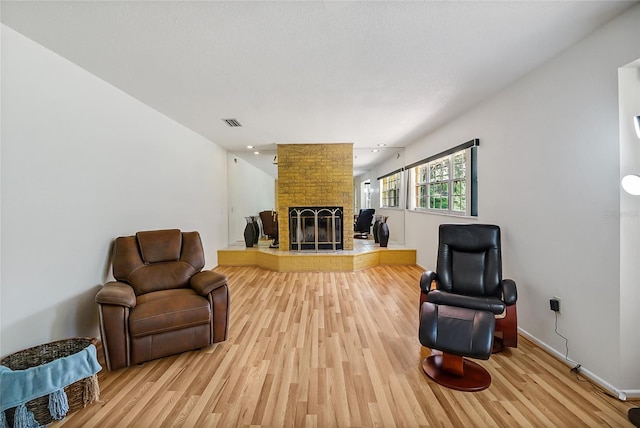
(315, 228)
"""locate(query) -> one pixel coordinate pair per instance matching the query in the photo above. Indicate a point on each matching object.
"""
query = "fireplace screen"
(315, 228)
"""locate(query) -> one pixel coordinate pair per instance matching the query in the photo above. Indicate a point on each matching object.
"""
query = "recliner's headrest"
(160, 245)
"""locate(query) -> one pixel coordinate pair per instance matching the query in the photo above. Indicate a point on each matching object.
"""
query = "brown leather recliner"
(161, 303)
(269, 221)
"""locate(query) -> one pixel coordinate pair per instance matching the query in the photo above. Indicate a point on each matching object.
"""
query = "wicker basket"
(79, 393)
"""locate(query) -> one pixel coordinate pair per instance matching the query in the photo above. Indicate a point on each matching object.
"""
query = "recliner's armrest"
(117, 293)
(206, 281)
(509, 292)
(426, 279)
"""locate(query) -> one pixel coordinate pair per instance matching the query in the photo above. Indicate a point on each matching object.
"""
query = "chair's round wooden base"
(475, 377)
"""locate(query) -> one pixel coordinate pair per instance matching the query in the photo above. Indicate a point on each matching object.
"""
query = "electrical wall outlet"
(554, 304)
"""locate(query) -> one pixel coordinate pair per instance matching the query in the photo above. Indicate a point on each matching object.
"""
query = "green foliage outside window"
(442, 183)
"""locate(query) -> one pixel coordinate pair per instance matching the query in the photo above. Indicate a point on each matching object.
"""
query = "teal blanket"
(20, 386)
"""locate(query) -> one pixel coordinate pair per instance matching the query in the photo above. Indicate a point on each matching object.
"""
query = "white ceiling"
(369, 73)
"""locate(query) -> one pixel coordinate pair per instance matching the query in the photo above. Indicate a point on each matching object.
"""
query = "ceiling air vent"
(232, 123)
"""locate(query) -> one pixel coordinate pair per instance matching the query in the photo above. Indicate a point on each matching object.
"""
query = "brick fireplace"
(315, 175)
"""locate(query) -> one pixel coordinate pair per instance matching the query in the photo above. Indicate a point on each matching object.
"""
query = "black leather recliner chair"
(362, 226)
(466, 308)
(469, 274)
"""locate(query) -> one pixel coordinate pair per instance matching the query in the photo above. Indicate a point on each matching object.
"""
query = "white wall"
(629, 214)
(251, 190)
(548, 174)
(83, 163)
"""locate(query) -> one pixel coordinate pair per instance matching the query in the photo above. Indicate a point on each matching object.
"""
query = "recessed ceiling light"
(375, 150)
(382, 145)
(256, 153)
(249, 147)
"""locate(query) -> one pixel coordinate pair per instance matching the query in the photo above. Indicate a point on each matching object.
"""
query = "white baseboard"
(632, 394)
(622, 395)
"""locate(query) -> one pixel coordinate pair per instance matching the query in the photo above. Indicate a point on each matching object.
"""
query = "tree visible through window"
(439, 184)
(459, 182)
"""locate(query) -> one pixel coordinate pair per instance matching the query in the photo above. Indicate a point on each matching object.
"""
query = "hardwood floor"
(337, 349)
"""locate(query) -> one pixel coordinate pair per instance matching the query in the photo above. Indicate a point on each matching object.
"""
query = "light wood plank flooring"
(337, 349)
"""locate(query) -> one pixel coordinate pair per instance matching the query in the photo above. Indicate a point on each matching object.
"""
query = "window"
(446, 182)
(441, 184)
(367, 194)
(390, 191)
